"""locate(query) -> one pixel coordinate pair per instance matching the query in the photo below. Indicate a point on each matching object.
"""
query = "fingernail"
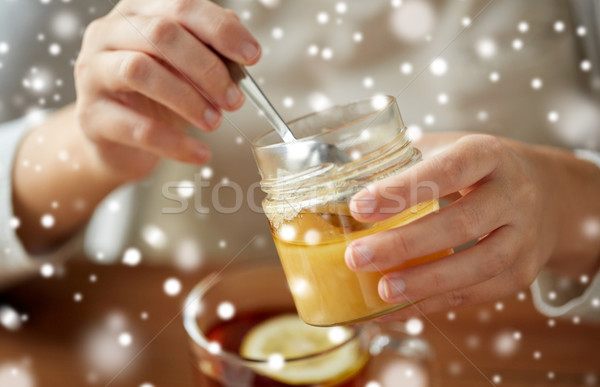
(234, 95)
(211, 117)
(358, 256)
(391, 289)
(250, 50)
(363, 203)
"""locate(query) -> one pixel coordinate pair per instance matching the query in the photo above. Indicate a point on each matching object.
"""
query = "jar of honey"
(307, 206)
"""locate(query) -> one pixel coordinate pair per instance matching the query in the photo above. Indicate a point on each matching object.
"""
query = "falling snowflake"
(322, 17)
(414, 326)
(206, 172)
(319, 101)
(326, 53)
(132, 257)
(429, 119)
(517, 44)
(406, 68)
(312, 237)
(226, 310)
(486, 48)
(288, 102)
(438, 67)
(4, 47)
(188, 255)
(299, 286)
(414, 132)
(523, 27)
(287, 233)
(341, 7)
(536, 83)
(585, 65)
(214, 347)
(114, 206)
(154, 236)
(54, 49)
(246, 15)
(559, 26)
(185, 188)
(14, 222)
(106, 348)
(484, 315)
(313, 50)
(505, 344)
(9, 318)
(16, 375)
(413, 21)
(277, 33)
(47, 270)
(172, 286)
(125, 339)
(270, 3)
(454, 368)
(517, 335)
(47, 221)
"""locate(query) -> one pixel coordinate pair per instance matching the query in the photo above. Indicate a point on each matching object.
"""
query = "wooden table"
(508, 342)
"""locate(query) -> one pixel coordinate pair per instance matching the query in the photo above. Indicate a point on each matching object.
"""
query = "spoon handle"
(240, 75)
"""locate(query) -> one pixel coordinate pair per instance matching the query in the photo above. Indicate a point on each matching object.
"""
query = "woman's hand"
(148, 70)
(525, 205)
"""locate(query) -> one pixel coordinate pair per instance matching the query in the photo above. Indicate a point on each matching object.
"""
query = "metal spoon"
(316, 152)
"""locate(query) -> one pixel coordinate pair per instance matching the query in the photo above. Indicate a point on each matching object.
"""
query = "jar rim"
(379, 102)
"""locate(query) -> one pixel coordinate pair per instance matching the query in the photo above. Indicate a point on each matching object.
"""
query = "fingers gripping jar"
(307, 206)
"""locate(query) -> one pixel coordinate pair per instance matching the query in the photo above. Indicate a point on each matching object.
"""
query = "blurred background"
(527, 70)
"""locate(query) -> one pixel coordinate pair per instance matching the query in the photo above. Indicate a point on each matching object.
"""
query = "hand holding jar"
(527, 206)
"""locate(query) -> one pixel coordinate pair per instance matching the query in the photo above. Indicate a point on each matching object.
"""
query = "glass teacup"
(244, 332)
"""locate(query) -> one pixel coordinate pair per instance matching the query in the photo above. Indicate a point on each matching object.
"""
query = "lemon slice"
(287, 337)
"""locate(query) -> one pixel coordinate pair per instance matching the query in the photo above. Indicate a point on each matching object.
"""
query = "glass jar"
(307, 206)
